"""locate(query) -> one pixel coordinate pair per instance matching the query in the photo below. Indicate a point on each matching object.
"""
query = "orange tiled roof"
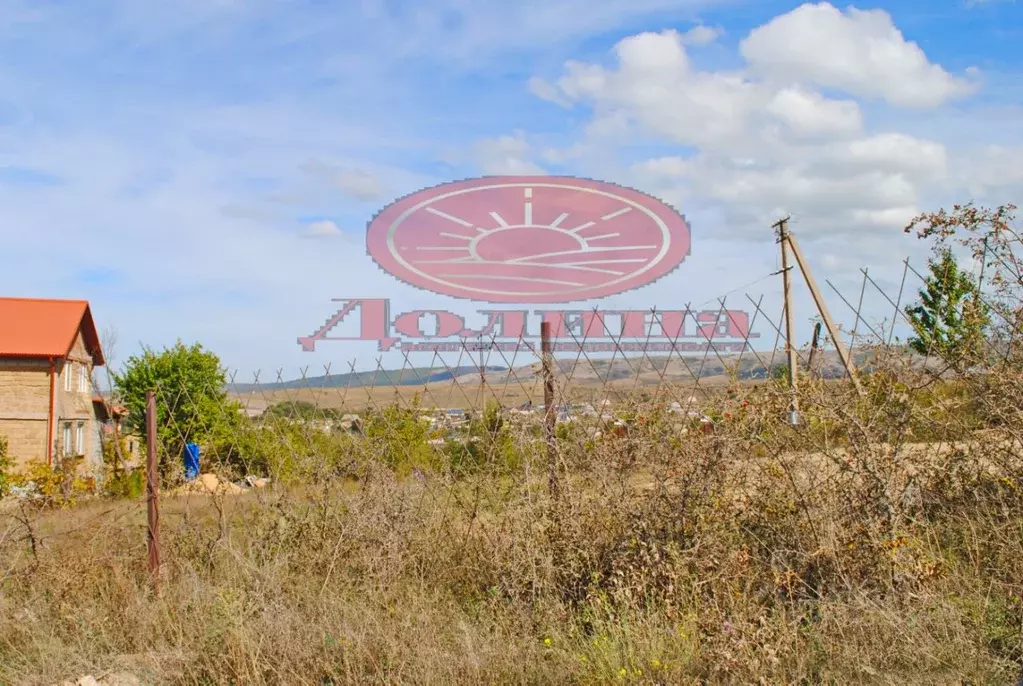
(46, 328)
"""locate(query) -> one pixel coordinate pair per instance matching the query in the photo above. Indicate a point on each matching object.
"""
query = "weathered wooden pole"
(152, 491)
(790, 347)
(822, 308)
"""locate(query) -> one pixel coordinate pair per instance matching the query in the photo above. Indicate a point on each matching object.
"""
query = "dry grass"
(881, 543)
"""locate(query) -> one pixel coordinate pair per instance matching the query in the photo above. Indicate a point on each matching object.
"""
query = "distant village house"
(48, 407)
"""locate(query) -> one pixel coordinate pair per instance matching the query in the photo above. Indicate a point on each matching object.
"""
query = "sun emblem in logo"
(543, 239)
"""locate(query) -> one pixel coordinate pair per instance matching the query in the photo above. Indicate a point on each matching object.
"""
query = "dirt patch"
(209, 484)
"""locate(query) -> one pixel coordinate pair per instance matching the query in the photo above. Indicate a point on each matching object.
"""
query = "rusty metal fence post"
(550, 412)
(152, 492)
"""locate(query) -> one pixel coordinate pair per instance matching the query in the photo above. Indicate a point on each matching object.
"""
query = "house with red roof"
(49, 410)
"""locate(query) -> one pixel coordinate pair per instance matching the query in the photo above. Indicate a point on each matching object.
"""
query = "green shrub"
(57, 485)
(110, 458)
(490, 445)
(284, 450)
(398, 437)
(126, 484)
(6, 462)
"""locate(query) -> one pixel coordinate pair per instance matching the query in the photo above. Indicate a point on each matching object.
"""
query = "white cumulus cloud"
(761, 142)
(858, 51)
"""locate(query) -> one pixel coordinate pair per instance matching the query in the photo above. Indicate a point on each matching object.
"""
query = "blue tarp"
(191, 461)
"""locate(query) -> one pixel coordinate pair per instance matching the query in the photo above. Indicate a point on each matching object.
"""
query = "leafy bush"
(286, 451)
(398, 437)
(489, 445)
(58, 485)
(110, 451)
(128, 484)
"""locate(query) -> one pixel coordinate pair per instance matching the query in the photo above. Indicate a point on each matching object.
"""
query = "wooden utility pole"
(550, 413)
(822, 308)
(152, 493)
(790, 348)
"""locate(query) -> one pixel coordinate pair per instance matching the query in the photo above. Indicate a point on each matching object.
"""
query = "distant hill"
(751, 366)
(410, 376)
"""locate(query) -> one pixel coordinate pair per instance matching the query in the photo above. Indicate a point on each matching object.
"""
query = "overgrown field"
(879, 542)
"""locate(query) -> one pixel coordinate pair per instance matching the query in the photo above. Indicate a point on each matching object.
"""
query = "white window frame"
(83, 379)
(80, 438)
(69, 370)
(67, 445)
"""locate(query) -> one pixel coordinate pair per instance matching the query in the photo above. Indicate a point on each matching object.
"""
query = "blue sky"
(204, 169)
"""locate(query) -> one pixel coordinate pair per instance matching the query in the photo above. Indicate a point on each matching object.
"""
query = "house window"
(67, 445)
(68, 371)
(80, 439)
(83, 379)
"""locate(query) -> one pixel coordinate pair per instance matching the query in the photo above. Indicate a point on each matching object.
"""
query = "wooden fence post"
(550, 412)
(152, 491)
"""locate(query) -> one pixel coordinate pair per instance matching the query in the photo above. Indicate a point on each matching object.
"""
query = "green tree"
(192, 404)
(990, 235)
(950, 320)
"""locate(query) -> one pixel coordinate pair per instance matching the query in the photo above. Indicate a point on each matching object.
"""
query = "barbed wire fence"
(322, 406)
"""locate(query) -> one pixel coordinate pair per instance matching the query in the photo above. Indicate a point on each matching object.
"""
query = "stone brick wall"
(26, 439)
(24, 406)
